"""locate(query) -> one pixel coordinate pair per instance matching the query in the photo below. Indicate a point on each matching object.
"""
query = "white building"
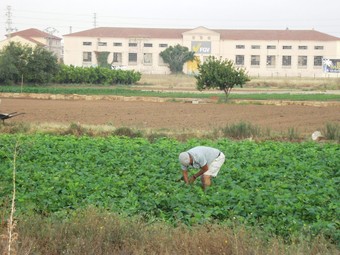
(262, 52)
(34, 37)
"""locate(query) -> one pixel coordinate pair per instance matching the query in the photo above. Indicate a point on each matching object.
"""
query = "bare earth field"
(170, 115)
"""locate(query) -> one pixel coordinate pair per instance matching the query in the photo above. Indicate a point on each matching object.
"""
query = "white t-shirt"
(202, 155)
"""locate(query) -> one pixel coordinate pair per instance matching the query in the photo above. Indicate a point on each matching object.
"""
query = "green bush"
(95, 75)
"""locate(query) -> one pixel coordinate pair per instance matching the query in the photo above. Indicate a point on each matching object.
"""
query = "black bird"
(4, 116)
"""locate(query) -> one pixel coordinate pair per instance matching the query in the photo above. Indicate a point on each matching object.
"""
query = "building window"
(286, 61)
(302, 61)
(133, 58)
(286, 47)
(255, 47)
(132, 44)
(102, 43)
(239, 60)
(255, 60)
(318, 60)
(318, 47)
(117, 57)
(117, 44)
(271, 47)
(303, 47)
(87, 43)
(271, 61)
(163, 45)
(87, 56)
(147, 59)
(240, 46)
(148, 45)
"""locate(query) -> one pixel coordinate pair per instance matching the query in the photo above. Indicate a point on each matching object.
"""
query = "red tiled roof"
(31, 40)
(268, 35)
(226, 34)
(32, 32)
(121, 32)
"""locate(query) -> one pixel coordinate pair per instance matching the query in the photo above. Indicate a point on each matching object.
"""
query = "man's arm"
(185, 176)
(201, 172)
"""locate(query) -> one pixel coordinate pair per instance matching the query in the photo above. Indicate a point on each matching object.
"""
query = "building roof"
(122, 32)
(33, 32)
(226, 34)
(271, 35)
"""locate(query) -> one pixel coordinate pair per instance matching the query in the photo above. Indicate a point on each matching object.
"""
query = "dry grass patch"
(97, 232)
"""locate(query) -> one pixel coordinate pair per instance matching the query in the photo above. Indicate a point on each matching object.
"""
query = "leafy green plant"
(285, 188)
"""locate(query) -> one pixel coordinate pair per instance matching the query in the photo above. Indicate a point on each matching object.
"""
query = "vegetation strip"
(126, 91)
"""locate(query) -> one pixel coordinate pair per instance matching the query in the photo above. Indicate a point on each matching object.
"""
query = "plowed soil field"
(170, 115)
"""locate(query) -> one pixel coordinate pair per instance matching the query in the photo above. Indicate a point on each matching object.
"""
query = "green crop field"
(283, 188)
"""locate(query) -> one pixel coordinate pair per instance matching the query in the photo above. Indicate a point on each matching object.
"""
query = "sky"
(62, 17)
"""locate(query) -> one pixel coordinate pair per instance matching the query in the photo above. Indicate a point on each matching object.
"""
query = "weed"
(74, 129)
(128, 132)
(292, 134)
(332, 131)
(241, 130)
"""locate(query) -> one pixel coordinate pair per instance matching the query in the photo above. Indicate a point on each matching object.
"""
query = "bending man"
(207, 159)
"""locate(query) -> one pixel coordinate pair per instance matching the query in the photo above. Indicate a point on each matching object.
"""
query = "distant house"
(34, 37)
(261, 52)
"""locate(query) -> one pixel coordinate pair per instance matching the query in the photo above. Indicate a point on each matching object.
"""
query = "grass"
(302, 83)
(129, 92)
(92, 231)
(295, 83)
(237, 131)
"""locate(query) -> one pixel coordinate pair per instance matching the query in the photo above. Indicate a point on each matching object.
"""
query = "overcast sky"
(64, 16)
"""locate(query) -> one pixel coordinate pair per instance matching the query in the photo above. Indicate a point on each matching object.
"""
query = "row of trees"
(38, 65)
(22, 63)
(35, 65)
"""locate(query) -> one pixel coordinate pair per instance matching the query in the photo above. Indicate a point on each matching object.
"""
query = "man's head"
(184, 158)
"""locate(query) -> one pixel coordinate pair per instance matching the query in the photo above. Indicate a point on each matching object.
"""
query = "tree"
(221, 74)
(176, 57)
(35, 65)
(102, 58)
(13, 61)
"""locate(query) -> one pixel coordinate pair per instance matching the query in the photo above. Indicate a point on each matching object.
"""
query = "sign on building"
(331, 65)
(201, 47)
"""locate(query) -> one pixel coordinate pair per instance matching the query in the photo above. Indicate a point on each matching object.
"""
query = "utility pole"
(49, 39)
(95, 20)
(9, 28)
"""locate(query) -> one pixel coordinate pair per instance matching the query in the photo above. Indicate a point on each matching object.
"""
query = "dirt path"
(170, 115)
